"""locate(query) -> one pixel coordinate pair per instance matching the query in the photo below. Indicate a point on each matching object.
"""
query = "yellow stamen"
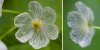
(37, 25)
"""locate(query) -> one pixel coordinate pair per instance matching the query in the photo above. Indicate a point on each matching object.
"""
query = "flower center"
(37, 25)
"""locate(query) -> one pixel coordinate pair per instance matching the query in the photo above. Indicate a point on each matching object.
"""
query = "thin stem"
(11, 11)
(96, 27)
(8, 32)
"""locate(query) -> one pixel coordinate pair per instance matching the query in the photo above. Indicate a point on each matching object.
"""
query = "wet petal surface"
(23, 20)
(24, 34)
(39, 40)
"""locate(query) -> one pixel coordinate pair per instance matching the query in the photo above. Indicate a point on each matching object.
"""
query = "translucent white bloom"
(37, 26)
(2, 46)
(1, 3)
(81, 21)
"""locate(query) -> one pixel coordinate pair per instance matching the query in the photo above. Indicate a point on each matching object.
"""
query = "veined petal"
(86, 11)
(87, 39)
(24, 34)
(39, 40)
(35, 8)
(2, 46)
(76, 19)
(1, 3)
(77, 34)
(49, 15)
(51, 31)
(23, 20)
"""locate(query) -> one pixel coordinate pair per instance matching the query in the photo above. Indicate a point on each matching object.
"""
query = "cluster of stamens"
(37, 25)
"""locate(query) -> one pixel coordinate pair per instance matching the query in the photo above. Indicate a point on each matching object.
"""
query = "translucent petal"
(51, 31)
(77, 34)
(49, 15)
(39, 40)
(87, 39)
(24, 34)
(2, 46)
(1, 3)
(86, 11)
(23, 20)
(35, 8)
(76, 19)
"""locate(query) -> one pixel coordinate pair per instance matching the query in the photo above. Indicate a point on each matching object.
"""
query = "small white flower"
(1, 3)
(2, 46)
(81, 21)
(37, 26)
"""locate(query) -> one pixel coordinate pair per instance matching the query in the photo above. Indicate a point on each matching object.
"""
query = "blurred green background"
(69, 5)
(7, 22)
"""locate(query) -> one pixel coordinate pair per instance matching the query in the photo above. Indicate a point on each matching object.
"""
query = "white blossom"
(81, 21)
(37, 26)
(2, 46)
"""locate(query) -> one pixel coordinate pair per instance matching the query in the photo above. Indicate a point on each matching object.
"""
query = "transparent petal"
(86, 11)
(35, 8)
(51, 31)
(76, 19)
(49, 15)
(1, 3)
(77, 34)
(23, 20)
(24, 34)
(2, 46)
(87, 39)
(39, 40)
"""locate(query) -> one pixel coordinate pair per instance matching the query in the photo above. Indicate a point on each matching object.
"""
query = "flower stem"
(11, 11)
(96, 27)
(8, 32)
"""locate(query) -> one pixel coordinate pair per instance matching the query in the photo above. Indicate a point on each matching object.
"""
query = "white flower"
(81, 21)
(37, 26)
(1, 3)
(2, 46)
